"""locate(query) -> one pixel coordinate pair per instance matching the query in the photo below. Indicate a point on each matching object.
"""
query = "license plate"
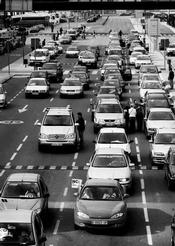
(35, 93)
(99, 222)
(56, 144)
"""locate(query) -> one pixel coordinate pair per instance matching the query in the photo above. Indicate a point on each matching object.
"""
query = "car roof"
(110, 151)
(15, 216)
(160, 110)
(101, 182)
(32, 177)
(109, 101)
(112, 130)
(166, 130)
(38, 78)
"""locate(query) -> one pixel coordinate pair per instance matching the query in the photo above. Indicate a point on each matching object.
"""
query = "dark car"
(127, 74)
(170, 168)
(54, 71)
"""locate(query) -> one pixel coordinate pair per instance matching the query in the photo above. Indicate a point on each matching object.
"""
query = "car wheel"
(76, 227)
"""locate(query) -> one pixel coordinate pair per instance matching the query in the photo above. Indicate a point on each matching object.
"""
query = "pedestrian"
(61, 30)
(170, 78)
(52, 27)
(43, 42)
(126, 115)
(132, 118)
(139, 118)
(80, 127)
(57, 37)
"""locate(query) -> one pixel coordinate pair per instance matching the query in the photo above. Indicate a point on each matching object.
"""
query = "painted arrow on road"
(22, 110)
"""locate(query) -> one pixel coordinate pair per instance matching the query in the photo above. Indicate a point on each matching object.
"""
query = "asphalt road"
(150, 205)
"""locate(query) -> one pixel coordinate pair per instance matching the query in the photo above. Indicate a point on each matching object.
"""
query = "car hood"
(126, 146)
(143, 91)
(108, 116)
(58, 130)
(160, 124)
(109, 173)
(107, 208)
(2, 96)
(34, 87)
(162, 148)
(15, 203)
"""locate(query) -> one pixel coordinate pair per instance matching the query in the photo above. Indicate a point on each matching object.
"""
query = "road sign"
(154, 27)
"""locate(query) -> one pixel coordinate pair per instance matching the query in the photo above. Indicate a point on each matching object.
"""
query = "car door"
(39, 231)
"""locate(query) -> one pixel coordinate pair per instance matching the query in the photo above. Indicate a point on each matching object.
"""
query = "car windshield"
(22, 189)
(150, 85)
(135, 54)
(160, 116)
(71, 83)
(112, 138)
(115, 83)
(16, 234)
(150, 77)
(109, 108)
(107, 90)
(148, 70)
(38, 74)
(109, 161)
(39, 53)
(79, 75)
(165, 138)
(49, 47)
(111, 71)
(158, 103)
(101, 193)
(58, 120)
(36, 82)
(143, 58)
(49, 66)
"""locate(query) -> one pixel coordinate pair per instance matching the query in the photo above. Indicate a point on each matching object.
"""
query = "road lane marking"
(143, 197)
(142, 184)
(2, 172)
(65, 191)
(149, 236)
(57, 91)
(19, 167)
(146, 214)
(137, 149)
(41, 167)
(25, 138)
(19, 147)
(76, 156)
(88, 110)
(63, 167)
(51, 99)
(30, 167)
(136, 140)
(138, 158)
(36, 122)
(52, 167)
(55, 231)
(61, 206)
(70, 173)
(13, 156)
(73, 163)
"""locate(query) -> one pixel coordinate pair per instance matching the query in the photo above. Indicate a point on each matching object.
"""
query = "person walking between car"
(170, 78)
(126, 115)
(52, 27)
(61, 30)
(80, 127)
(43, 42)
(139, 117)
(132, 118)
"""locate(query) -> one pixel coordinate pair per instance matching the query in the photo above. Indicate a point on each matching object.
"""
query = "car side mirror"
(159, 71)
(145, 118)
(76, 124)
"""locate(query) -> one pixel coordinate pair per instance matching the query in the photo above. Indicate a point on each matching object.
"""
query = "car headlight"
(124, 180)
(43, 136)
(98, 121)
(70, 136)
(117, 215)
(82, 215)
(158, 154)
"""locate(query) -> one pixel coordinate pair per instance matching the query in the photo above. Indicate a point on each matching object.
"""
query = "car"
(54, 71)
(39, 57)
(87, 58)
(79, 68)
(147, 69)
(142, 60)
(24, 191)
(115, 83)
(110, 70)
(113, 137)
(3, 97)
(111, 163)
(160, 145)
(37, 87)
(65, 39)
(159, 118)
(110, 65)
(73, 33)
(57, 45)
(58, 128)
(84, 78)
(139, 49)
(21, 227)
(133, 57)
(150, 76)
(100, 203)
(155, 95)
(108, 89)
(52, 50)
(127, 74)
(169, 168)
(115, 51)
(115, 58)
(116, 76)
(72, 51)
(147, 86)
(71, 86)
(108, 113)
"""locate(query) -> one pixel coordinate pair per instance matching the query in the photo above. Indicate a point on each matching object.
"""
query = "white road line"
(13, 156)
(141, 172)
(44, 110)
(129, 91)
(61, 206)
(137, 149)
(136, 140)
(146, 214)
(25, 138)
(70, 173)
(57, 91)
(19, 147)
(149, 236)
(8, 164)
(76, 156)
(65, 191)
(36, 122)
(56, 227)
(138, 158)
(130, 99)
(88, 110)
(143, 197)
(73, 163)
(142, 184)
(2, 172)
(51, 99)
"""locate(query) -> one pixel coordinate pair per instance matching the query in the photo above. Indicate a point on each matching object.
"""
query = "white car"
(39, 56)
(52, 50)
(139, 49)
(113, 137)
(72, 51)
(162, 141)
(71, 87)
(3, 99)
(133, 57)
(57, 45)
(142, 60)
(87, 58)
(37, 87)
(148, 86)
(170, 50)
(111, 163)
(150, 77)
(159, 118)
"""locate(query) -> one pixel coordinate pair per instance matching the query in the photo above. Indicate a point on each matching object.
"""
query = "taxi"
(71, 86)
(3, 98)
(37, 87)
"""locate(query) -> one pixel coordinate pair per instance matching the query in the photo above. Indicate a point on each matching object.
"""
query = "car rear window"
(161, 116)
(112, 138)
(109, 108)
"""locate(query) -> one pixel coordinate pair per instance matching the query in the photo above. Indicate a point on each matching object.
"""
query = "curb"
(3, 81)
